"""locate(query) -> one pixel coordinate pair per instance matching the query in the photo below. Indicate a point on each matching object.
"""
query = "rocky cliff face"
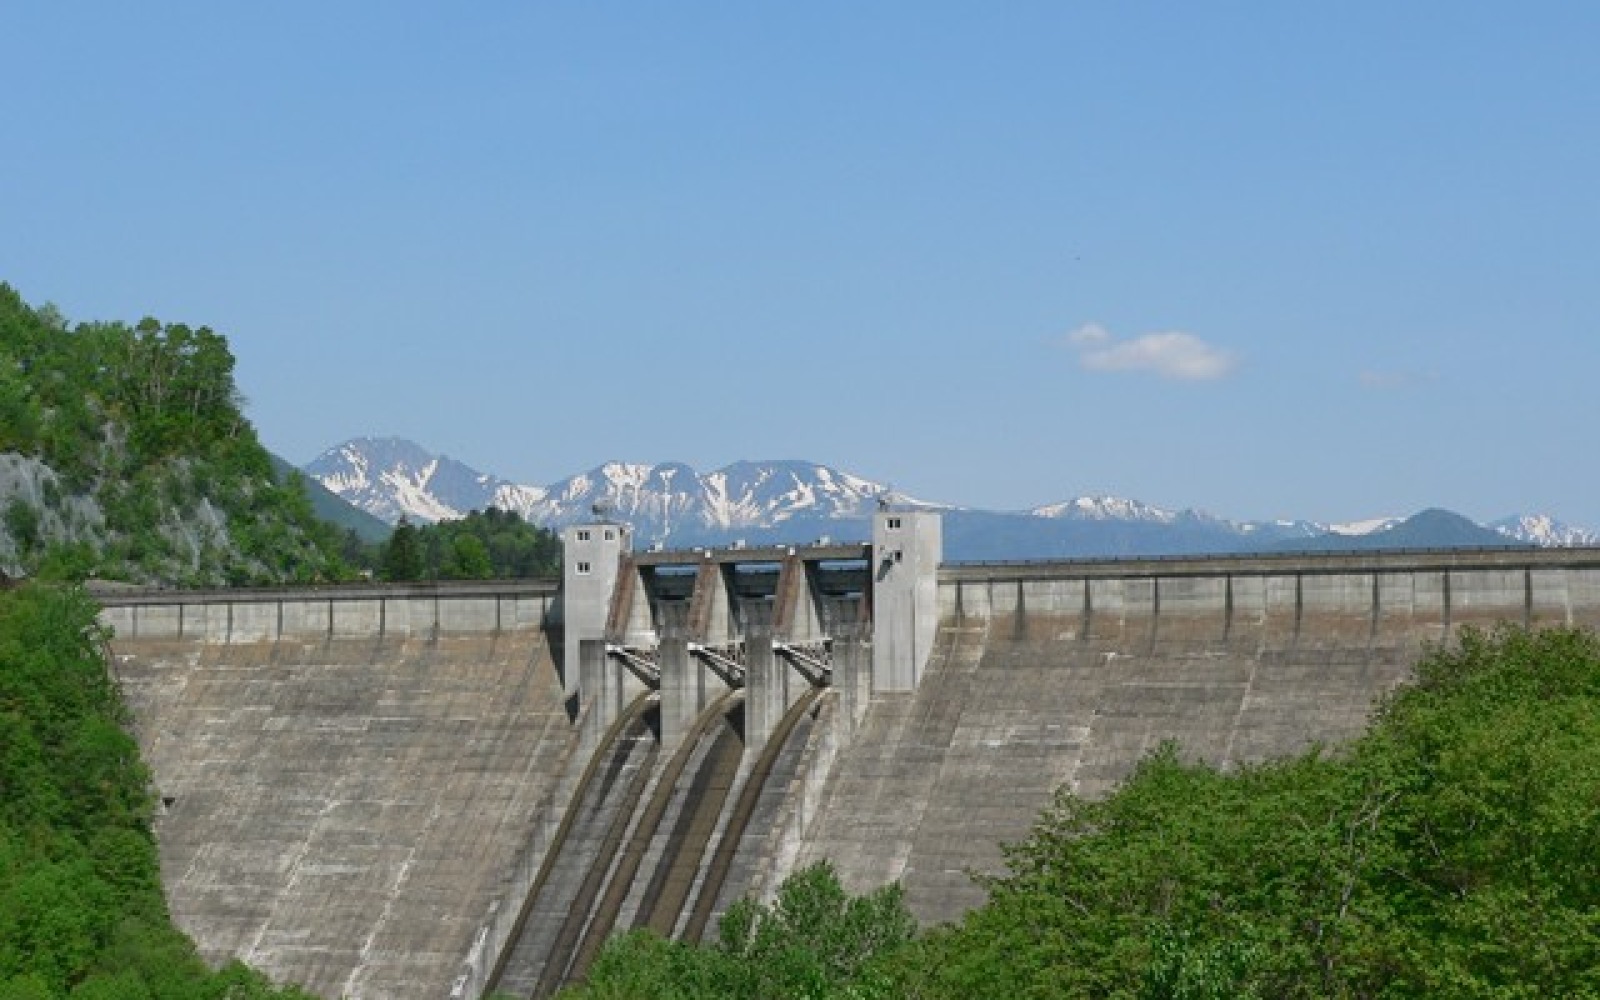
(36, 509)
(183, 537)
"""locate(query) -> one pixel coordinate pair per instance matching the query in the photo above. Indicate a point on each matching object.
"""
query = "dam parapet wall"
(336, 612)
(1388, 595)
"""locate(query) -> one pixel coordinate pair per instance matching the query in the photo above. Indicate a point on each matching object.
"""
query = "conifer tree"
(402, 555)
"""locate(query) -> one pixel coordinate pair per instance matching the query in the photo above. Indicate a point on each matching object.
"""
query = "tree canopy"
(814, 940)
(484, 545)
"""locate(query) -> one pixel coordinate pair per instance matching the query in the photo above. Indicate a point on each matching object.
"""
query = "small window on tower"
(609, 535)
(583, 534)
(583, 569)
(894, 524)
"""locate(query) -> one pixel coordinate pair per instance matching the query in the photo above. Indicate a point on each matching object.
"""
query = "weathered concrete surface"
(603, 801)
(362, 781)
(1052, 675)
(343, 810)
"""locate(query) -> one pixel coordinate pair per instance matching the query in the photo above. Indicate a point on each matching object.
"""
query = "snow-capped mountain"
(674, 504)
(669, 503)
(794, 501)
(1117, 509)
(1103, 508)
(392, 477)
(1543, 530)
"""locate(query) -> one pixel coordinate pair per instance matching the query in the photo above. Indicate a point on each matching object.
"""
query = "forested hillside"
(81, 909)
(125, 454)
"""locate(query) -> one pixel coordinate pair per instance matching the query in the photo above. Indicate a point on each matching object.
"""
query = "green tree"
(814, 938)
(490, 544)
(402, 554)
(22, 522)
(19, 413)
(814, 941)
(468, 559)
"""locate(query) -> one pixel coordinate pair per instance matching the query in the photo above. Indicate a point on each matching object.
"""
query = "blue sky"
(1265, 260)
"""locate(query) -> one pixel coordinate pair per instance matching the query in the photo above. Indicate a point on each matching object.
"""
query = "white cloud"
(1174, 355)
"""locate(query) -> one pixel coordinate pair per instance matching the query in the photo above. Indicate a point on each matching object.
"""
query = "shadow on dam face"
(631, 849)
(668, 853)
(559, 907)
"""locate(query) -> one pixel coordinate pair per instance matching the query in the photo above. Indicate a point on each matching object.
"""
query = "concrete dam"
(434, 791)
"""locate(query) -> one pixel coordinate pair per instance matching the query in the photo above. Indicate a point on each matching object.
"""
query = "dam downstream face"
(357, 788)
(936, 781)
(341, 813)
(1046, 677)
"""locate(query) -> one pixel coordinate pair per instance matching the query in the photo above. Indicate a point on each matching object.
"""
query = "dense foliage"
(485, 545)
(815, 940)
(81, 909)
(1454, 850)
(150, 470)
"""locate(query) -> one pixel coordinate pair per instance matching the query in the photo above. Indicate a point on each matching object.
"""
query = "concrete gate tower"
(907, 546)
(591, 557)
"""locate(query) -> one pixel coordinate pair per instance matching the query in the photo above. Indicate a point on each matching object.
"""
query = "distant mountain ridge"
(392, 477)
(675, 505)
(331, 507)
(669, 503)
(1544, 530)
(1429, 529)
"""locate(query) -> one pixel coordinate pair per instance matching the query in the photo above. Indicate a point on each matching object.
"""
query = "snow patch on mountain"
(672, 502)
(517, 497)
(1106, 508)
(1544, 530)
(393, 478)
(1371, 525)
